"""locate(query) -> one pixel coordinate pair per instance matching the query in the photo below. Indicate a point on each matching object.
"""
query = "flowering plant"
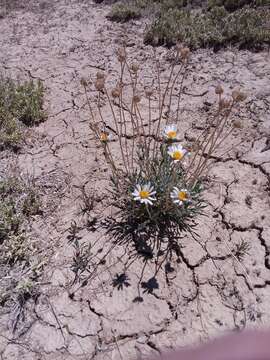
(156, 181)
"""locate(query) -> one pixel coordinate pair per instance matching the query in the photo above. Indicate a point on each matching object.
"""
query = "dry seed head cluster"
(145, 132)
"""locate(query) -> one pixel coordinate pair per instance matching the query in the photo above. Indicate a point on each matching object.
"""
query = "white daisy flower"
(177, 152)
(170, 132)
(179, 196)
(105, 137)
(144, 193)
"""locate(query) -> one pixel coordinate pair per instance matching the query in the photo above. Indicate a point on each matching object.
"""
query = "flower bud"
(83, 82)
(134, 67)
(99, 84)
(104, 137)
(238, 96)
(219, 90)
(100, 75)
(237, 124)
(116, 92)
(136, 99)
(121, 55)
(149, 92)
(224, 103)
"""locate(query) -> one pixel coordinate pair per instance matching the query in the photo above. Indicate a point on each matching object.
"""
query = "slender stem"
(122, 115)
(180, 93)
(149, 126)
(162, 105)
(212, 140)
(172, 87)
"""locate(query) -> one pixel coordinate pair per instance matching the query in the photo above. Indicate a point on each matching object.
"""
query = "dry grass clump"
(21, 104)
(156, 182)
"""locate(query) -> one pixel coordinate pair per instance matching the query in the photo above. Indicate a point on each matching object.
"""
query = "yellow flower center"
(144, 194)
(103, 137)
(177, 155)
(171, 134)
(182, 195)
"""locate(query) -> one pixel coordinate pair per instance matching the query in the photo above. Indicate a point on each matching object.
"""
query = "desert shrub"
(174, 4)
(18, 202)
(233, 5)
(124, 12)
(20, 104)
(245, 27)
(212, 23)
(156, 186)
(20, 266)
(134, 9)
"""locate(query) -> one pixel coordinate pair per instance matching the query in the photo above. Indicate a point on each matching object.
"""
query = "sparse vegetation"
(124, 12)
(21, 104)
(18, 202)
(212, 23)
(246, 27)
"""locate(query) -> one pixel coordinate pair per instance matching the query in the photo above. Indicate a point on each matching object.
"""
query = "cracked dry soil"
(208, 292)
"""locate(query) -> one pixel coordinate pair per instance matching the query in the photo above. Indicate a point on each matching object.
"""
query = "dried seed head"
(149, 92)
(219, 90)
(224, 103)
(121, 55)
(237, 124)
(134, 68)
(83, 82)
(116, 92)
(136, 99)
(100, 75)
(99, 84)
(185, 52)
(238, 96)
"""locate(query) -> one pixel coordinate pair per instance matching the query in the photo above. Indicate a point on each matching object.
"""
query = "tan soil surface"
(208, 293)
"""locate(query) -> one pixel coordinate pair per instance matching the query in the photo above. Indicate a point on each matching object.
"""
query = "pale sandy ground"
(207, 294)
